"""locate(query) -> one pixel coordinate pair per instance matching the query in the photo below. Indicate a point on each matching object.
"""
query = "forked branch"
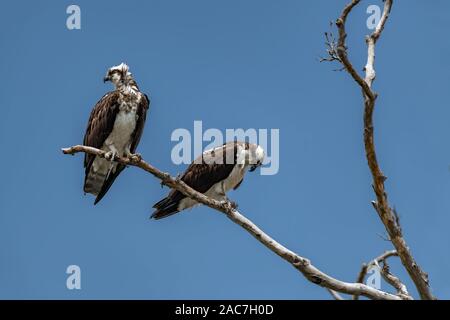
(385, 273)
(387, 215)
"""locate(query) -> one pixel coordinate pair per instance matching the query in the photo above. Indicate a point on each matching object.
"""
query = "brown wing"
(142, 115)
(100, 124)
(207, 170)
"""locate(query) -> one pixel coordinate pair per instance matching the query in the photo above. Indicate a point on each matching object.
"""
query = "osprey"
(115, 126)
(213, 173)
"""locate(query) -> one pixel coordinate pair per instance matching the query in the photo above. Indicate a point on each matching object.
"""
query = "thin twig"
(366, 266)
(394, 281)
(335, 295)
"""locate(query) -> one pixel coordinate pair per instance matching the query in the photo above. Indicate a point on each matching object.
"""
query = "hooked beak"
(255, 166)
(105, 79)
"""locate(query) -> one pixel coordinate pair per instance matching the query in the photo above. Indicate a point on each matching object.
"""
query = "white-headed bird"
(213, 173)
(115, 126)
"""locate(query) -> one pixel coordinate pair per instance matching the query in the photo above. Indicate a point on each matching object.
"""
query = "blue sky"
(231, 64)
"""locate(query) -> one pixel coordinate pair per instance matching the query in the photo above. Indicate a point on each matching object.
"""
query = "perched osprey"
(213, 173)
(115, 126)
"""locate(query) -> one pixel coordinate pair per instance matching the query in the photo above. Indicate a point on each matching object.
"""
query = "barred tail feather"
(94, 182)
(97, 176)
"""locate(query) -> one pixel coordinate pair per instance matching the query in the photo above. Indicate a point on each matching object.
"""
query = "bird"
(213, 173)
(115, 126)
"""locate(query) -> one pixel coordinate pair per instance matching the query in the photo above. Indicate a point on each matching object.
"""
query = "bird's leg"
(136, 157)
(110, 156)
(221, 194)
(224, 199)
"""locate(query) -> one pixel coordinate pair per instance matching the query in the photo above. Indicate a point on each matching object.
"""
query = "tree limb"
(379, 259)
(386, 214)
(302, 264)
(335, 295)
(385, 273)
(394, 281)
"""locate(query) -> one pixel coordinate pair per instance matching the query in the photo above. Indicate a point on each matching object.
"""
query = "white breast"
(236, 176)
(124, 126)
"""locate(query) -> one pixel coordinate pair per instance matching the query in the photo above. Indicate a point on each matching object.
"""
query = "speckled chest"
(125, 122)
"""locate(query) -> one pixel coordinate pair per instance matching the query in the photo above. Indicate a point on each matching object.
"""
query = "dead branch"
(390, 278)
(365, 266)
(386, 214)
(309, 271)
(394, 281)
(335, 295)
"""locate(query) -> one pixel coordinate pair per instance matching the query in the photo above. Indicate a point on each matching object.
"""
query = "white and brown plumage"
(214, 173)
(115, 126)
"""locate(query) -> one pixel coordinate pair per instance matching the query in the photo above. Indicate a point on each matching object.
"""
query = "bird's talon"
(135, 157)
(233, 205)
(109, 156)
(229, 204)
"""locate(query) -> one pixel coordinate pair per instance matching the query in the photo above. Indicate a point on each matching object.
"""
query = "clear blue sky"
(250, 64)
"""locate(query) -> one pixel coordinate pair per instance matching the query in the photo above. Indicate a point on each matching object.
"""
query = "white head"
(118, 75)
(252, 155)
(257, 157)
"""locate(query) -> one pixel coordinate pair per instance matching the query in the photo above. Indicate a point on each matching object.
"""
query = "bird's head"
(254, 156)
(118, 75)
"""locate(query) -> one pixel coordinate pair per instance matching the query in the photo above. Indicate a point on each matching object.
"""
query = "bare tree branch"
(331, 44)
(391, 279)
(335, 295)
(378, 259)
(385, 273)
(342, 50)
(386, 214)
(302, 264)
(394, 281)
